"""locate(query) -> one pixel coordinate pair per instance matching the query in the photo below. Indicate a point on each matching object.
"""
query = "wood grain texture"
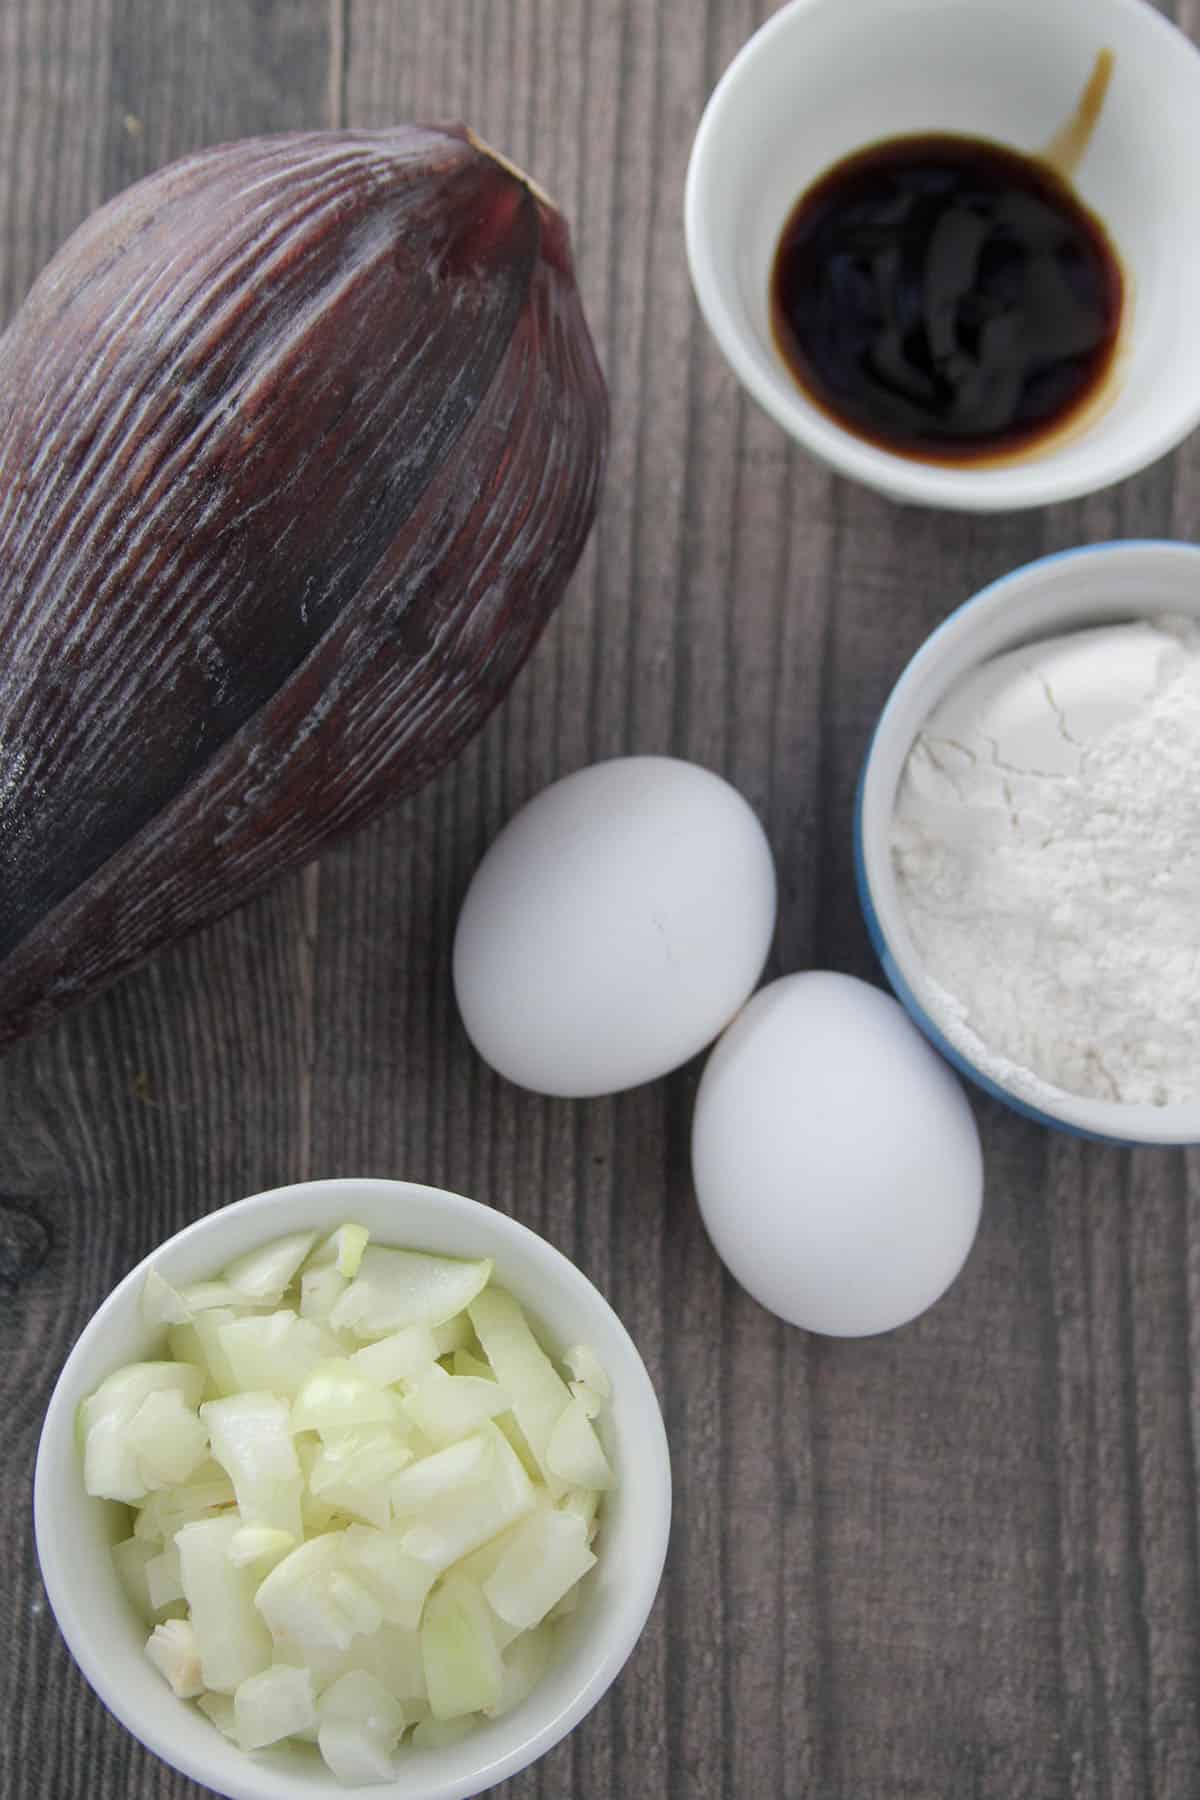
(957, 1563)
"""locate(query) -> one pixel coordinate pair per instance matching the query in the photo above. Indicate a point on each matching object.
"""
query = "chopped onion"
(275, 1704)
(358, 1698)
(164, 1579)
(219, 1708)
(523, 1664)
(394, 1288)
(168, 1439)
(449, 1407)
(399, 1357)
(342, 1249)
(111, 1469)
(173, 1650)
(397, 1581)
(161, 1305)
(320, 1291)
(470, 1517)
(266, 1273)
(259, 1547)
(363, 1494)
(463, 1671)
(337, 1395)
(251, 1438)
(232, 1640)
(546, 1557)
(585, 1366)
(357, 1756)
(353, 1470)
(574, 1453)
(275, 1351)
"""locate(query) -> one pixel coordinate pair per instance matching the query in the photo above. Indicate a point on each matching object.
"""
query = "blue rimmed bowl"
(1097, 585)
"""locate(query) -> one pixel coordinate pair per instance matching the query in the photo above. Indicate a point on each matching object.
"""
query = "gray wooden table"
(960, 1562)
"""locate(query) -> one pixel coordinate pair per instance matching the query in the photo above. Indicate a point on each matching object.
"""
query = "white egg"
(614, 927)
(836, 1159)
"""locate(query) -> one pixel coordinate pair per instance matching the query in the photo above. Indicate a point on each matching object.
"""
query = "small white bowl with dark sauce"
(897, 381)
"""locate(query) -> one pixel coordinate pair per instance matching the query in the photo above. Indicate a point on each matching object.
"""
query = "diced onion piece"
(131, 1557)
(183, 1342)
(433, 1478)
(463, 1671)
(265, 1273)
(272, 1705)
(219, 1708)
(120, 1395)
(164, 1580)
(359, 1698)
(207, 1327)
(162, 1304)
(588, 1398)
(398, 1581)
(575, 1454)
(449, 1407)
(110, 1464)
(342, 1250)
(320, 1291)
(539, 1394)
(260, 1547)
(251, 1439)
(356, 1756)
(440, 1734)
(275, 1352)
(524, 1662)
(210, 1296)
(167, 1438)
(452, 1334)
(354, 1469)
(394, 1288)
(546, 1557)
(233, 1640)
(467, 1519)
(358, 1604)
(465, 1362)
(478, 1564)
(173, 1650)
(588, 1370)
(336, 1396)
(391, 1655)
(311, 1597)
(166, 1511)
(401, 1356)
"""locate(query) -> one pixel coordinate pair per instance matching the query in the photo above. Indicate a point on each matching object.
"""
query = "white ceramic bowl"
(74, 1533)
(823, 78)
(1102, 584)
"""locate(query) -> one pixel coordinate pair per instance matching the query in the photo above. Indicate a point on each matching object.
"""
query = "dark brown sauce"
(946, 298)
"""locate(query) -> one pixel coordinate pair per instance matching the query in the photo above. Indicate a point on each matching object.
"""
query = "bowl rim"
(57, 1454)
(1001, 488)
(1126, 1124)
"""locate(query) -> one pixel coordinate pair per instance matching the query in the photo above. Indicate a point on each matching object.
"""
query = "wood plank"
(184, 1087)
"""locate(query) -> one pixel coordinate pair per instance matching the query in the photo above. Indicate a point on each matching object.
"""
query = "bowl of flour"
(1028, 841)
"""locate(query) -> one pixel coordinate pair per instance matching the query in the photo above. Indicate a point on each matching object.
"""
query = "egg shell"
(614, 927)
(836, 1159)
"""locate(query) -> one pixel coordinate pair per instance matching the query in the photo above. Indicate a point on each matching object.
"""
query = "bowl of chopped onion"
(352, 1483)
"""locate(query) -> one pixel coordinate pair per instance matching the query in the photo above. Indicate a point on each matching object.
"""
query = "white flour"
(1046, 843)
